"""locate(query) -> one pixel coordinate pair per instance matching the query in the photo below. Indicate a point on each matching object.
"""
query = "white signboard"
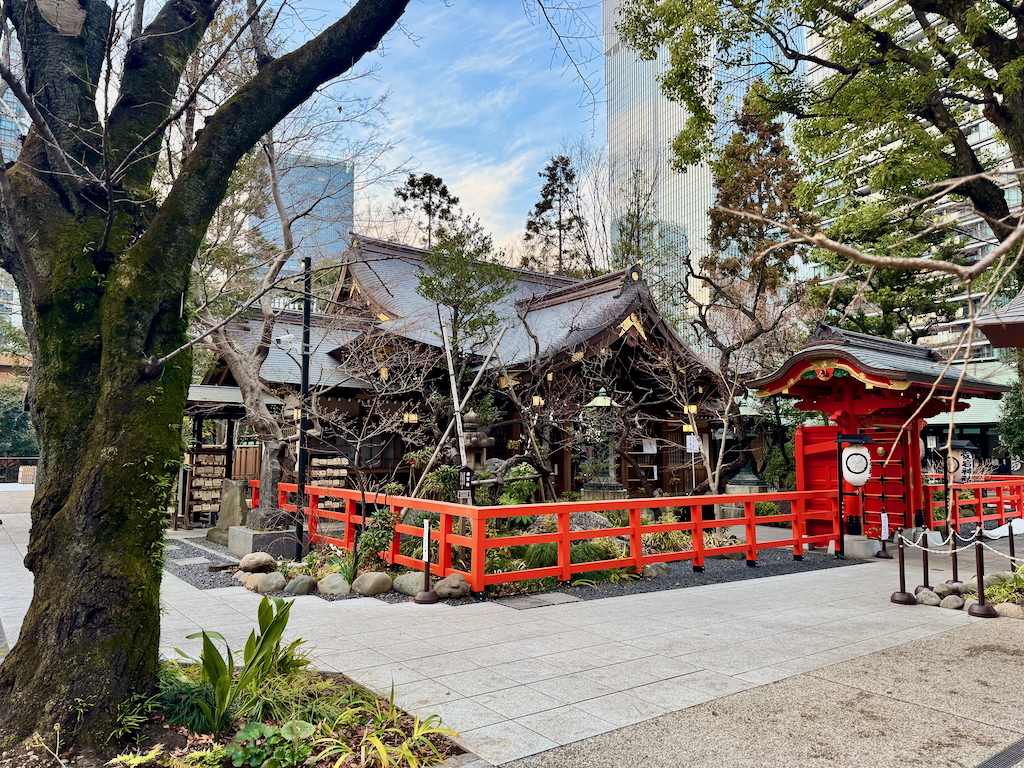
(931, 441)
(465, 497)
(885, 525)
(692, 444)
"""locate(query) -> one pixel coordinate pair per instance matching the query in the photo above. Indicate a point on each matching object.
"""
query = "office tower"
(321, 189)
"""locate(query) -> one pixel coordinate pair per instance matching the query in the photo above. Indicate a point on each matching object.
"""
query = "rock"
(334, 584)
(301, 585)
(409, 584)
(954, 602)
(258, 562)
(970, 587)
(233, 507)
(452, 587)
(373, 583)
(251, 579)
(943, 590)
(968, 602)
(242, 576)
(958, 587)
(1010, 610)
(588, 521)
(927, 597)
(656, 570)
(991, 579)
(269, 582)
(218, 536)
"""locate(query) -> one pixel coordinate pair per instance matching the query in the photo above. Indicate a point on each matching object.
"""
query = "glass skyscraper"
(14, 124)
(321, 189)
(641, 125)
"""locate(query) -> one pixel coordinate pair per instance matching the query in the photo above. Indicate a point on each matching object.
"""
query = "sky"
(478, 95)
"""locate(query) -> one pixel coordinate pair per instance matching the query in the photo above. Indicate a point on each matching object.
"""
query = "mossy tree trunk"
(103, 266)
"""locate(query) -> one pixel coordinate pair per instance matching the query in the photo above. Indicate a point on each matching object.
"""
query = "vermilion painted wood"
(478, 542)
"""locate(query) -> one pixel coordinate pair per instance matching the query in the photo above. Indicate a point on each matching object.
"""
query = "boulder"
(301, 585)
(410, 584)
(251, 579)
(958, 587)
(927, 597)
(452, 587)
(943, 590)
(970, 587)
(968, 602)
(1010, 610)
(258, 562)
(218, 536)
(372, 583)
(656, 570)
(588, 521)
(955, 602)
(334, 584)
(998, 577)
(269, 582)
(241, 576)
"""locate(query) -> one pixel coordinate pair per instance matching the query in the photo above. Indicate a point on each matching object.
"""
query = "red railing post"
(748, 513)
(797, 507)
(282, 498)
(313, 516)
(697, 542)
(349, 535)
(444, 554)
(255, 494)
(396, 539)
(636, 541)
(565, 545)
(479, 554)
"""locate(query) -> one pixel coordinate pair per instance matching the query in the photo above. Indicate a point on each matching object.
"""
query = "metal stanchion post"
(980, 609)
(954, 540)
(1013, 549)
(902, 597)
(924, 561)
(427, 595)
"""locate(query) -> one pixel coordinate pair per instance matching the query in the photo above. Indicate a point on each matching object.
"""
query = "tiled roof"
(896, 360)
(553, 313)
(1004, 327)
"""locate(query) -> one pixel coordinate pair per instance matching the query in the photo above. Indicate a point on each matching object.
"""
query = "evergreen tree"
(426, 198)
(555, 225)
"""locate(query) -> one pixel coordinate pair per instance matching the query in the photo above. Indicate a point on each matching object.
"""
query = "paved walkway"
(519, 682)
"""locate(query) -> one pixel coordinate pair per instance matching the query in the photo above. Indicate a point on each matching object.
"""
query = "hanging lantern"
(959, 460)
(855, 460)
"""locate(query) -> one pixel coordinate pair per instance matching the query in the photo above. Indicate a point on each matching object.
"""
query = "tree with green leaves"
(889, 116)
(745, 296)
(13, 341)
(425, 199)
(16, 435)
(555, 226)
(102, 258)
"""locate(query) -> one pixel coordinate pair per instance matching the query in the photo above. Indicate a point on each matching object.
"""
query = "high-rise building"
(641, 125)
(14, 123)
(320, 190)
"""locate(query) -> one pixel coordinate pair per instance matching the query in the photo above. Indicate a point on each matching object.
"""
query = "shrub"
(542, 555)
(588, 552)
(519, 491)
(379, 533)
(571, 496)
(766, 508)
(267, 746)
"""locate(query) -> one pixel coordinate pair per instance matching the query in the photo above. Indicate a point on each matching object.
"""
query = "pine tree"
(426, 197)
(555, 224)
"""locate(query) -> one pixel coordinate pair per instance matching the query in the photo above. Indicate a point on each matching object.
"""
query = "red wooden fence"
(478, 540)
(994, 497)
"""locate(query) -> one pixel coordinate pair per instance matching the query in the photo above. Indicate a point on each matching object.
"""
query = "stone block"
(242, 541)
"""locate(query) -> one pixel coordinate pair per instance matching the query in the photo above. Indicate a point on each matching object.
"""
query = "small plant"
(1009, 591)
(571, 496)
(267, 746)
(517, 491)
(131, 715)
(261, 657)
(379, 533)
(543, 555)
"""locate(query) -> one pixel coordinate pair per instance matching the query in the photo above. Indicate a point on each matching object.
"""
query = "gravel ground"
(771, 562)
(197, 574)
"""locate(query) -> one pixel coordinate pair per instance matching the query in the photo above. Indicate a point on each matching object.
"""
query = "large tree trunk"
(110, 444)
(102, 300)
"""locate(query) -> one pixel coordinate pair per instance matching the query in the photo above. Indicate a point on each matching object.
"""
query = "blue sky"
(478, 96)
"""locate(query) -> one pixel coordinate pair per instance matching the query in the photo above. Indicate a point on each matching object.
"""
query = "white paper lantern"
(960, 465)
(856, 465)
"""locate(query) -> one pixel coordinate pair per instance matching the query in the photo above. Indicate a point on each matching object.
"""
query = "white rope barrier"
(947, 551)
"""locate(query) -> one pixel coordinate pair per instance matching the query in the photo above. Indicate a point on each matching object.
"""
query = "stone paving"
(517, 682)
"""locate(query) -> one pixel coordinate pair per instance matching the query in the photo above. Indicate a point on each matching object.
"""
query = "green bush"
(766, 508)
(571, 496)
(379, 533)
(588, 552)
(267, 746)
(542, 555)
(518, 491)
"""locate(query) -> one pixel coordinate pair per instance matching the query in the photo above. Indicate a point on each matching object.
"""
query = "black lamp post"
(854, 463)
(303, 462)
